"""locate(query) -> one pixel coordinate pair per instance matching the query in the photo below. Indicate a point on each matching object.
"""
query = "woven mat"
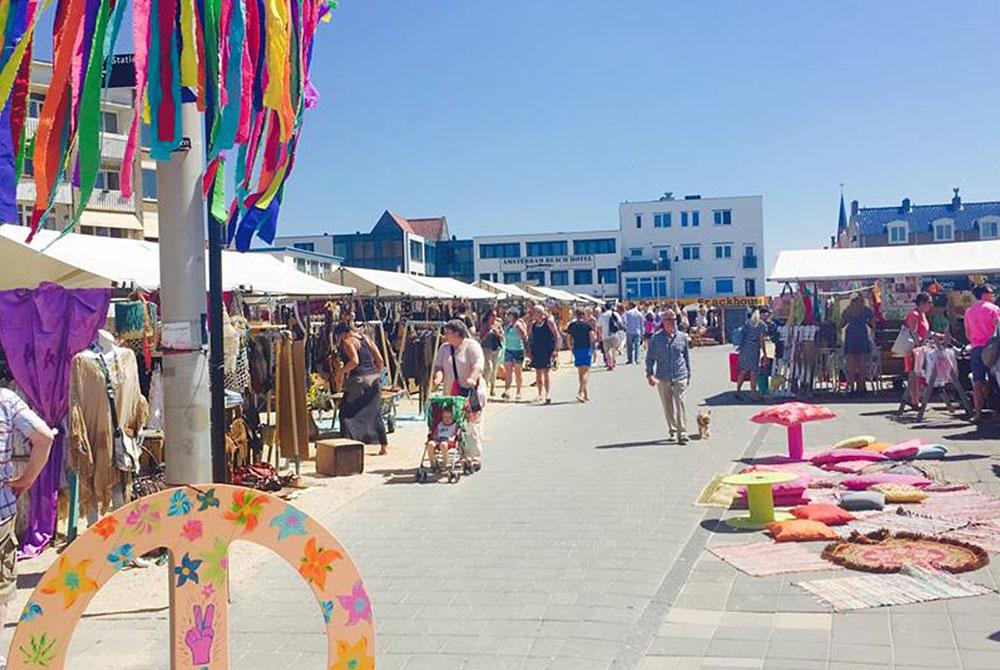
(912, 585)
(962, 506)
(986, 535)
(896, 522)
(771, 558)
(716, 494)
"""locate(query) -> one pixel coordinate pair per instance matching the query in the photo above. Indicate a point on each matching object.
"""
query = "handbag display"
(903, 346)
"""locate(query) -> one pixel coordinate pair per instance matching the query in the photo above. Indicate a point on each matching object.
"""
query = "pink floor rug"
(904, 521)
(966, 505)
(771, 558)
(912, 585)
(985, 534)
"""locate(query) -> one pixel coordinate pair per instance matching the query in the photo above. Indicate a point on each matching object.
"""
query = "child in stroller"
(443, 455)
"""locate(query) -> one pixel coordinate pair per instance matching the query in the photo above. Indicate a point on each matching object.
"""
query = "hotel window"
(28, 167)
(607, 276)
(35, 102)
(691, 287)
(635, 252)
(559, 278)
(695, 219)
(989, 230)
(724, 250)
(502, 250)
(536, 249)
(597, 246)
(536, 278)
(108, 180)
(661, 287)
(724, 285)
(583, 277)
(109, 122)
(944, 231)
(899, 233)
(691, 252)
(305, 246)
(684, 219)
(631, 288)
(638, 220)
(511, 277)
(488, 276)
(722, 217)
(148, 184)
(661, 220)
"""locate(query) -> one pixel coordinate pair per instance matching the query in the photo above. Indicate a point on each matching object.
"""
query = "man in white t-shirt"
(609, 323)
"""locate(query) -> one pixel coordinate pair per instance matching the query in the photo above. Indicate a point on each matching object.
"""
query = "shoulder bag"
(470, 393)
(991, 350)
(124, 451)
(903, 346)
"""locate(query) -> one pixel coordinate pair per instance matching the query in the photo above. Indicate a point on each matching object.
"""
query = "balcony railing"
(749, 262)
(646, 265)
(111, 201)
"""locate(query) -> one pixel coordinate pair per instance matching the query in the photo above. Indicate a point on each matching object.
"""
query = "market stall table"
(760, 499)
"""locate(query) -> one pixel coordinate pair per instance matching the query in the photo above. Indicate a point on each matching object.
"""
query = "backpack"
(615, 323)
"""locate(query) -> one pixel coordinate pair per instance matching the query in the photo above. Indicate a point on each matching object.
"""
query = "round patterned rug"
(884, 552)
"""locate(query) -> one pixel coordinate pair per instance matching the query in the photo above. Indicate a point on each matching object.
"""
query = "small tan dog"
(704, 424)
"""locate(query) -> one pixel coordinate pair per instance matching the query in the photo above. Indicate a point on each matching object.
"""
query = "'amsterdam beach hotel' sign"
(556, 262)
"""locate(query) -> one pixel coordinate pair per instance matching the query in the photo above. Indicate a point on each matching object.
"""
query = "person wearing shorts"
(16, 418)
(514, 337)
(582, 337)
(980, 325)
(543, 342)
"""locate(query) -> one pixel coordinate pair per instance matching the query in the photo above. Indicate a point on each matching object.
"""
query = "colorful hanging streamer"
(245, 63)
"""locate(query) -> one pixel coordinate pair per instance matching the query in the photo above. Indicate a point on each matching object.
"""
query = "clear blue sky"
(542, 115)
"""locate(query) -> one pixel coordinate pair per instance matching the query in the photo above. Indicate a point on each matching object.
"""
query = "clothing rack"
(411, 326)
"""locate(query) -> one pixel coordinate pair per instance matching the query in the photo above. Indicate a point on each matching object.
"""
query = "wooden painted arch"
(197, 525)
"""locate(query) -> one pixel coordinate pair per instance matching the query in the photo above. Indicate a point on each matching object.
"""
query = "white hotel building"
(693, 247)
(583, 262)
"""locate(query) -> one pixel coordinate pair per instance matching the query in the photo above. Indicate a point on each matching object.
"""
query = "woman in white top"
(458, 368)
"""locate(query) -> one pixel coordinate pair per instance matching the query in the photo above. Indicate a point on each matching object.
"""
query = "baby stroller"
(454, 463)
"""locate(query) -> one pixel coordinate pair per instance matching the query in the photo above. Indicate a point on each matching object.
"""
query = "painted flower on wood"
(40, 651)
(180, 504)
(216, 563)
(121, 556)
(327, 607)
(290, 522)
(192, 530)
(353, 657)
(143, 519)
(317, 562)
(357, 604)
(245, 509)
(187, 571)
(71, 581)
(32, 610)
(106, 527)
(207, 500)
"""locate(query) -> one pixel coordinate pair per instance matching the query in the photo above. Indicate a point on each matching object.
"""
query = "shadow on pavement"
(629, 445)
(719, 527)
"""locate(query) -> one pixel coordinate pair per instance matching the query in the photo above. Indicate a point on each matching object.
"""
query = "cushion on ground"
(845, 454)
(856, 442)
(877, 447)
(932, 452)
(900, 493)
(831, 515)
(862, 482)
(860, 501)
(850, 467)
(800, 530)
(901, 452)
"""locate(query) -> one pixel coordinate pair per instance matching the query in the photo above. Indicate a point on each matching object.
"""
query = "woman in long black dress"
(360, 378)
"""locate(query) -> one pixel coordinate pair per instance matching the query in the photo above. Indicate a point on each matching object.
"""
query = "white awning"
(89, 261)
(120, 220)
(457, 288)
(554, 294)
(505, 290)
(589, 298)
(384, 284)
(928, 260)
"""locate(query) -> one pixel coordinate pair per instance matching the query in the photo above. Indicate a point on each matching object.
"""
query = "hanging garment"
(155, 421)
(239, 378)
(260, 350)
(91, 435)
(41, 330)
(292, 434)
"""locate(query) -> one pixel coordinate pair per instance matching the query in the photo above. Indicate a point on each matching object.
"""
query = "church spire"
(842, 219)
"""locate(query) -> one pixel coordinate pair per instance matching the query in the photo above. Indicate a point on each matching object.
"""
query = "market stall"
(505, 291)
(818, 288)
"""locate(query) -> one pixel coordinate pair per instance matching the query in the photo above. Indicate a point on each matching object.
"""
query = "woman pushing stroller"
(458, 367)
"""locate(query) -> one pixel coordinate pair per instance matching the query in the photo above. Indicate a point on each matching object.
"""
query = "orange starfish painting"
(316, 563)
(245, 509)
(72, 581)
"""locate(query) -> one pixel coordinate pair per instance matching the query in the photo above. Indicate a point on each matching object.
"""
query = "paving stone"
(927, 657)
(861, 653)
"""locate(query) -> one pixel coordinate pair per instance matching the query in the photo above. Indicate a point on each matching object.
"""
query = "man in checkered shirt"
(16, 417)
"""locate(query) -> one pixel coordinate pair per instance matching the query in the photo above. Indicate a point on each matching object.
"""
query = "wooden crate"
(339, 457)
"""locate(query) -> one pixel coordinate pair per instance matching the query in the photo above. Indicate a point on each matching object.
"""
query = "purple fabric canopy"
(41, 330)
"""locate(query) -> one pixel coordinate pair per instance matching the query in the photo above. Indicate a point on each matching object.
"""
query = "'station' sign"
(586, 260)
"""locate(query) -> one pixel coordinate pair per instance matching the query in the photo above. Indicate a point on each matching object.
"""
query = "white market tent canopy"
(554, 294)
(591, 299)
(457, 288)
(929, 260)
(384, 284)
(506, 290)
(90, 261)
